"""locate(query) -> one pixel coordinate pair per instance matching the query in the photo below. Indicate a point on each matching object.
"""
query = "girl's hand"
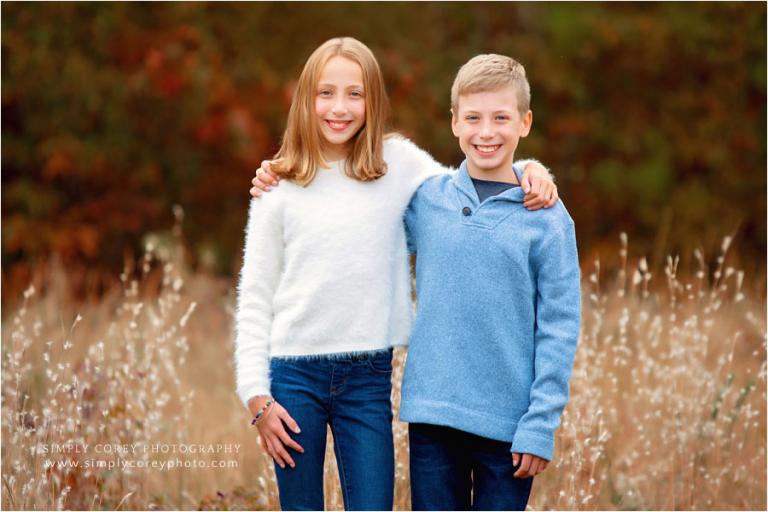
(531, 465)
(540, 190)
(274, 437)
(265, 179)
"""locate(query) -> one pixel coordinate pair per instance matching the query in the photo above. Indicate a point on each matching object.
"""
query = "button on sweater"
(498, 312)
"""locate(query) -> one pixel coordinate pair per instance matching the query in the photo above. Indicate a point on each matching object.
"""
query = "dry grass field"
(667, 407)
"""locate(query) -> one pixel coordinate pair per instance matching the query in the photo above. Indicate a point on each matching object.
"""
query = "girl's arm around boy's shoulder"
(421, 163)
(415, 165)
(403, 156)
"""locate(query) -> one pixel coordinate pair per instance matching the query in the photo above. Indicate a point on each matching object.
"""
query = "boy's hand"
(540, 190)
(531, 465)
(265, 179)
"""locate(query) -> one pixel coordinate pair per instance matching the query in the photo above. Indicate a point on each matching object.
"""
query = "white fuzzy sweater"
(325, 268)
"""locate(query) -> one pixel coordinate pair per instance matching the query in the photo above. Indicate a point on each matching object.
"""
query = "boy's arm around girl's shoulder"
(262, 261)
(558, 314)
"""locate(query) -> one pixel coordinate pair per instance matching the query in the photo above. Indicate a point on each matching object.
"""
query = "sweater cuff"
(521, 164)
(250, 392)
(535, 444)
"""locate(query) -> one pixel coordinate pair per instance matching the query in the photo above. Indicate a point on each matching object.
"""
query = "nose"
(339, 107)
(486, 130)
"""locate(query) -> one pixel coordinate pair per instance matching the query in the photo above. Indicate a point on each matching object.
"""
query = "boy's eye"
(471, 118)
(502, 118)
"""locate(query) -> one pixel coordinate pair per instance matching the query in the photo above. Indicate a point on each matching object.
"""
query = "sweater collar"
(463, 182)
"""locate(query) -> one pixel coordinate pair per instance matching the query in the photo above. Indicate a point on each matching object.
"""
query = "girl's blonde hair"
(301, 151)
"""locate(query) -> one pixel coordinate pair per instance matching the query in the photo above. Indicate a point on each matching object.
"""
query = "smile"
(338, 126)
(487, 149)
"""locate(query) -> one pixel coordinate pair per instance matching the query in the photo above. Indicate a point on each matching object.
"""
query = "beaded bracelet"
(260, 413)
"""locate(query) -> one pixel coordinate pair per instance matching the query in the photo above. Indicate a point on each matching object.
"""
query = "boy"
(484, 384)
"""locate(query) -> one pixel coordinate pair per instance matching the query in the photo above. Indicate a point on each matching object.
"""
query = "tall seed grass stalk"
(67, 392)
(668, 395)
(667, 406)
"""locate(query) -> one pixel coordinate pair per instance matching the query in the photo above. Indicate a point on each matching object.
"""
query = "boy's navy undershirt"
(486, 189)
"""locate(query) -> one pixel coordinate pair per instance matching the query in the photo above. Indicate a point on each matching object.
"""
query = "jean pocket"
(381, 364)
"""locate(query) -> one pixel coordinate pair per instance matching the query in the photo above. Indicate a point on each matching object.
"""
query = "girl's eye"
(356, 94)
(325, 93)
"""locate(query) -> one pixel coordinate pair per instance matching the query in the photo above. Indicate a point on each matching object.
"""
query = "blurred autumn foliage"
(651, 116)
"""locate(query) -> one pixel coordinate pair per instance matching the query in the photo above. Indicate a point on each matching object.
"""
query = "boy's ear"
(527, 121)
(454, 122)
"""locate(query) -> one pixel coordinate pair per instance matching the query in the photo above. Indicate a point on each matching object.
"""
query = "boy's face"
(488, 126)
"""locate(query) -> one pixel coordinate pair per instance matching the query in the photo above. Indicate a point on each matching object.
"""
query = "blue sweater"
(492, 346)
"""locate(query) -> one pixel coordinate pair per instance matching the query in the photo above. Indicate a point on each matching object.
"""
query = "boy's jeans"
(445, 463)
(352, 395)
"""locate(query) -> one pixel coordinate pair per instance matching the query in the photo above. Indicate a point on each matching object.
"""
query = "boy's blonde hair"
(301, 151)
(490, 72)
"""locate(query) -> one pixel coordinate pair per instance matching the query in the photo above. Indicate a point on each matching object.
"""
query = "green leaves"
(114, 112)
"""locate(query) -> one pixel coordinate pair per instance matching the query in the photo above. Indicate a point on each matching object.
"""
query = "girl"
(324, 291)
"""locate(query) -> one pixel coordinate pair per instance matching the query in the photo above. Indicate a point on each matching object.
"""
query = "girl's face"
(340, 105)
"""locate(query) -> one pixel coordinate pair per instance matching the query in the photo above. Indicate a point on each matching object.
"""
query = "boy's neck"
(504, 173)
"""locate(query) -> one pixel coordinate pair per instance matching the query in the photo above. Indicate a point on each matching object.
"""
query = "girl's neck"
(334, 153)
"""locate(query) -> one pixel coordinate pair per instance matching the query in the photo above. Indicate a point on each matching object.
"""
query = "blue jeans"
(352, 395)
(445, 463)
